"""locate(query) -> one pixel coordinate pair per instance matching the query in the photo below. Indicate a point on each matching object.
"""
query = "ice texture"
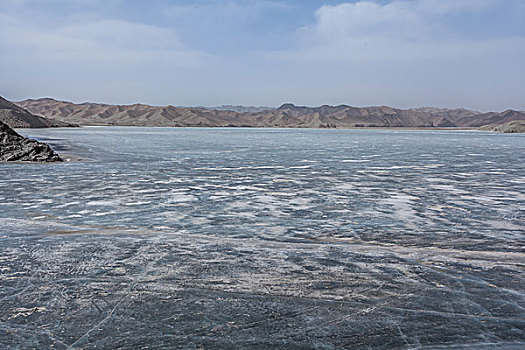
(258, 238)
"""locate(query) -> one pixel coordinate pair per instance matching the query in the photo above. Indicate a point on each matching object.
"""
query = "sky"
(400, 53)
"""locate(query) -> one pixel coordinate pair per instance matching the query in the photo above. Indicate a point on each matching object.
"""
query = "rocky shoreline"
(16, 148)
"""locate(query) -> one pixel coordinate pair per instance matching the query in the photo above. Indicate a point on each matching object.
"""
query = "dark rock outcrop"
(14, 147)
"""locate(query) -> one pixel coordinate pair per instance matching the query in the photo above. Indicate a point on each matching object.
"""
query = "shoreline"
(66, 158)
(266, 127)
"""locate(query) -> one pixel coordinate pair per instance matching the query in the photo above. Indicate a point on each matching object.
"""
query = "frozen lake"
(265, 238)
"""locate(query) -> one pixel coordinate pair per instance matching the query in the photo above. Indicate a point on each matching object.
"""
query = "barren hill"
(288, 115)
(18, 117)
(516, 126)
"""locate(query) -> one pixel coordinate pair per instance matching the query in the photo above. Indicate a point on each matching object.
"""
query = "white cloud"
(403, 30)
(96, 40)
(354, 19)
(90, 56)
(408, 17)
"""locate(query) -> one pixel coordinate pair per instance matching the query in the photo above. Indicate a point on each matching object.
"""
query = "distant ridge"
(241, 109)
(287, 115)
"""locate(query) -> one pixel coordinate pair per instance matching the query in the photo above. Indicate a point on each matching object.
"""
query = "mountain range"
(287, 115)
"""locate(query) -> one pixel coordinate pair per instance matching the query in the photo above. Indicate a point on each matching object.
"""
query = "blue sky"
(402, 53)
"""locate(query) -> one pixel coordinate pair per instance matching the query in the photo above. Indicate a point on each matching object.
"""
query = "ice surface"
(254, 238)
